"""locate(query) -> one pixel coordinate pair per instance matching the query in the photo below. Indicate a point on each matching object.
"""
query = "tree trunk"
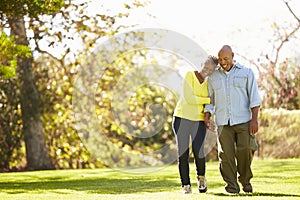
(36, 150)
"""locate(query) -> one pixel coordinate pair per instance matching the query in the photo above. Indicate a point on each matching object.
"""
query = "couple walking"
(228, 91)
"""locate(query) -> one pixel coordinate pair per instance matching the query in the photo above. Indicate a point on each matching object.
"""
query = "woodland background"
(37, 120)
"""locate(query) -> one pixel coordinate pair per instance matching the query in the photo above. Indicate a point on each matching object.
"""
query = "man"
(236, 105)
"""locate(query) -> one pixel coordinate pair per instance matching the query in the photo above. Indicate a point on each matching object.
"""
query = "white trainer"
(202, 184)
(187, 189)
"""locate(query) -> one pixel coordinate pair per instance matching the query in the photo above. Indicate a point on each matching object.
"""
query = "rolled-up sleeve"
(253, 93)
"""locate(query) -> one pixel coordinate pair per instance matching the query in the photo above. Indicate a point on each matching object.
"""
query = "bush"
(279, 133)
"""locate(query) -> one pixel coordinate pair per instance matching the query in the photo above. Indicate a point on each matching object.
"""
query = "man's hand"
(207, 119)
(253, 127)
(254, 121)
(212, 125)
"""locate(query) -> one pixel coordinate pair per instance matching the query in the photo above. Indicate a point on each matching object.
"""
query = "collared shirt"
(194, 96)
(235, 93)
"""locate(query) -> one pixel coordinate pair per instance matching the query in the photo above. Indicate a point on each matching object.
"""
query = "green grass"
(273, 179)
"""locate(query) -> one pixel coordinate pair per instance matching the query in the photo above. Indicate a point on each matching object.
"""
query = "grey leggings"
(185, 129)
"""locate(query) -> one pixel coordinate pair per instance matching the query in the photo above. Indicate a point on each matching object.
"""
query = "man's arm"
(254, 102)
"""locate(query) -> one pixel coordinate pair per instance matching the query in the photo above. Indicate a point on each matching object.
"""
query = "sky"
(248, 26)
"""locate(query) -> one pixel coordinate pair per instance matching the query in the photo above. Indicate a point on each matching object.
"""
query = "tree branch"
(250, 61)
(287, 4)
(286, 39)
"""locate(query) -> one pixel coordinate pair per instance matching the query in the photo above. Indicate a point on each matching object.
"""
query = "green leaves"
(53, 28)
(33, 8)
(9, 52)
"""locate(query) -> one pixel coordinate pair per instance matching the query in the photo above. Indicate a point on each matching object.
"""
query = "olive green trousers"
(235, 155)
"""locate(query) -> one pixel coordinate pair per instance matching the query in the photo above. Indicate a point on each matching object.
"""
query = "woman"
(188, 123)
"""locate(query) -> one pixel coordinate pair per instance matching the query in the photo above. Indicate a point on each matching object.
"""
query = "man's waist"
(229, 120)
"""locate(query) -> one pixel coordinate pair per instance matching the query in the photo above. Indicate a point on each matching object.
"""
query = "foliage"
(279, 134)
(126, 124)
(9, 52)
(159, 184)
(72, 32)
(277, 74)
(280, 85)
(58, 30)
(11, 152)
(55, 89)
(12, 18)
(32, 8)
(279, 80)
(116, 137)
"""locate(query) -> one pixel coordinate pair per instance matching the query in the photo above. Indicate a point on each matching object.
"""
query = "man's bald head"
(226, 48)
(225, 57)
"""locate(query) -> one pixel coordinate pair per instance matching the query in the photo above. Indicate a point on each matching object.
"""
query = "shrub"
(279, 133)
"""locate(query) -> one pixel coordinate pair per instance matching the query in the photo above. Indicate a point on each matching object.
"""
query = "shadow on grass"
(97, 185)
(257, 194)
(109, 186)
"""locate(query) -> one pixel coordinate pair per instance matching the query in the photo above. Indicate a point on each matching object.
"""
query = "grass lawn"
(273, 179)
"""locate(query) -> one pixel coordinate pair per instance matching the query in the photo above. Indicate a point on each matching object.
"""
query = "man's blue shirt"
(235, 93)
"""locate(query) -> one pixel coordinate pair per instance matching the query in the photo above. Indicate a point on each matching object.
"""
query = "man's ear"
(232, 54)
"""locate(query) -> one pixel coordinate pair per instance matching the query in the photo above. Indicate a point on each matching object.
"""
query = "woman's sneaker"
(187, 189)
(202, 184)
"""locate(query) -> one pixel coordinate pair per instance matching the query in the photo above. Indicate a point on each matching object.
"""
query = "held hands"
(210, 124)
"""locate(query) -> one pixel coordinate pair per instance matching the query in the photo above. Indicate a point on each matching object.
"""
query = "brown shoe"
(231, 190)
(247, 188)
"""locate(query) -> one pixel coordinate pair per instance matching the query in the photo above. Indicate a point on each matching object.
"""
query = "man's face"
(225, 59)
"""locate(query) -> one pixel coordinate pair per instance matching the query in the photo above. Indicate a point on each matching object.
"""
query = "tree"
(57, 24)
(10, 136)
(14, 13)
(279, 79)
